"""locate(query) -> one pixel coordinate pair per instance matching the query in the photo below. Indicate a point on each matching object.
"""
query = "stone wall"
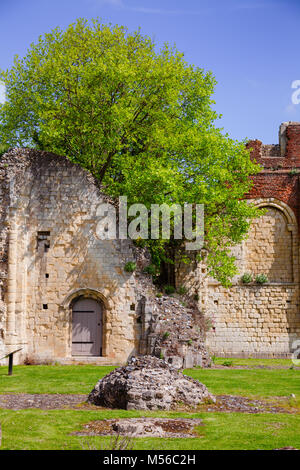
(261, 321)
(54, 257)
(4, 236)
(252, 319)
(268, 248)
(51, 256)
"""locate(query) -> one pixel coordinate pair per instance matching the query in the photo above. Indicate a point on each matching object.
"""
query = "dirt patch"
(237, 404)
(224, 403)
(142, 427)
(23, 401)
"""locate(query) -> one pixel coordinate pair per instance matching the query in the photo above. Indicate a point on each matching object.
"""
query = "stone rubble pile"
(148, 383)
(172, 327)
(179, 334)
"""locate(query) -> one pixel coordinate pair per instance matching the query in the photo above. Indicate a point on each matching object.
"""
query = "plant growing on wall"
(247, 278)
(261, 279)
(3, 149)
(209, 322)
(151, 269)
(140, 120)
(130, 267)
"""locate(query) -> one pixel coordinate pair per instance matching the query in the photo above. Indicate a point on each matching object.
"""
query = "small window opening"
(43, 241)
(45, 306)
(47, 275)
(132, 307)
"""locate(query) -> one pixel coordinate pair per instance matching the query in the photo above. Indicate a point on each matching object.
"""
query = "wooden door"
(87, 328)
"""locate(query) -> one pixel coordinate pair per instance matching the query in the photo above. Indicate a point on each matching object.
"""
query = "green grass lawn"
(51, 379)
(258, 383)
(39, 429)
(251, 362)
(81, 379)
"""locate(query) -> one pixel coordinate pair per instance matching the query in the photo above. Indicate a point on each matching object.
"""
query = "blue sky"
(251, 46)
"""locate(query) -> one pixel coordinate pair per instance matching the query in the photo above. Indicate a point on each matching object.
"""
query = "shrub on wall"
(151, 269)
(261, 279)
(247, 278)
(130, 267)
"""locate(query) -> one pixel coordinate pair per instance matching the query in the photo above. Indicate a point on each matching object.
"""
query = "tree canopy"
(140, 120)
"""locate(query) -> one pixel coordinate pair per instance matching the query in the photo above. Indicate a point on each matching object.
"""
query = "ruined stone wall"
(260, 320)
(257, 321)
(53, 203)
(50, 256)
(4, 196)
(252, 319)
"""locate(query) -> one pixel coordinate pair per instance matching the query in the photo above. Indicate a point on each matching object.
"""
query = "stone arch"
(86, 292)
(272, 245)
(280, 205)
(75, 295)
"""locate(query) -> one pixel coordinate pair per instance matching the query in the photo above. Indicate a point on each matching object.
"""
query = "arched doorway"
(86, 328)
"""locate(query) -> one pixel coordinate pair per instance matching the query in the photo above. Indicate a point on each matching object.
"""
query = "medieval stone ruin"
(65, 295)
(148, 383)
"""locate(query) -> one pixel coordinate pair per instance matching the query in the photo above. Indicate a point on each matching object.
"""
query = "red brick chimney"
(289, 139)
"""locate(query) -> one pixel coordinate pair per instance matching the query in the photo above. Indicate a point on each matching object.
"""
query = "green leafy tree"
(140, 120)
(3, 149)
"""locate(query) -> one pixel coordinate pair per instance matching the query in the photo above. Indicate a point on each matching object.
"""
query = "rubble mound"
(148, 383)
(177, 333)
(172, 327)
